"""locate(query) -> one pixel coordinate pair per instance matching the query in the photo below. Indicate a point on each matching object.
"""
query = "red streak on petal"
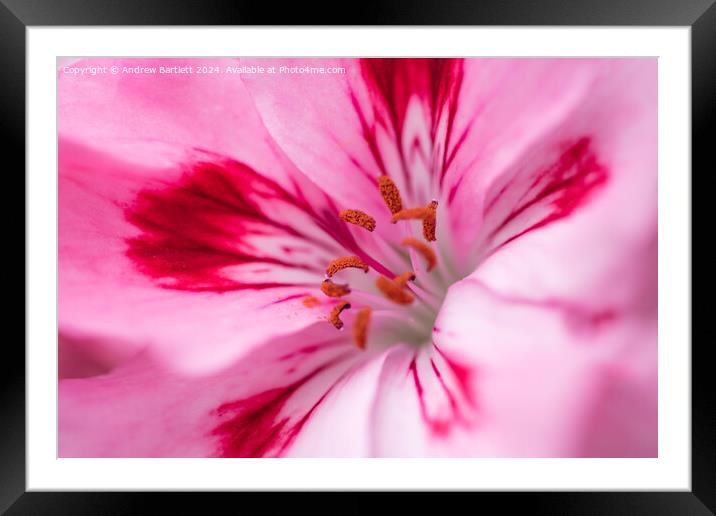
(454, 189)
(563, 186)
(395, 81)
(289, 298)
(438, 427)
(448, 392)
(312, 348)
(193, 229)
(392, 83)
(252, 427)
(463, 375)
(254, 431)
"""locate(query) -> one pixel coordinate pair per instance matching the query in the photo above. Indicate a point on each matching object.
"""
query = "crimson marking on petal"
(254, 433)
(569, 182)
(451, 100)
(312, 348)
(393, 82)
(437, 426)
(448, 392)
(192, 229)
(289, 298)
(463, 375)
(454, 189)
(448, 158)
(370, 137)
(252, 427)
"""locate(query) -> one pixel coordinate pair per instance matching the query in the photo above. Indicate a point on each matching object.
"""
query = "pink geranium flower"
(402, 258)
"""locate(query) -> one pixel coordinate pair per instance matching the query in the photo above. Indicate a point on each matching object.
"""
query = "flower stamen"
(334, 316)
(393, 291)
(358, 218)
(411, 214)
(423, 249)
(390, 194)
(427, 214)
(403, 279)
(360, 327)
(343, 263)
(430, 222)
(334, 289)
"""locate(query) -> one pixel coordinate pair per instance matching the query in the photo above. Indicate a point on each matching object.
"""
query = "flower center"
(401, 297)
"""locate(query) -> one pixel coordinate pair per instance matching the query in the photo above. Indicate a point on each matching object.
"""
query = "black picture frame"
(17, 15)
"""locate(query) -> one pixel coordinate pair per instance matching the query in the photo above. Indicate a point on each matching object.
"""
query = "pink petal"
(259, 406)
(341, 424)
(540, 139)
(155, 119)
(130, 273)
(375, 119)
(424, 406)
(593, 238)
(565, 298)
(166, 121)
(545, 372)
(623, 421)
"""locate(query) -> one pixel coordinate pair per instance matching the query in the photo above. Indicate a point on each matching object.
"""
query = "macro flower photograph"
(324, 257)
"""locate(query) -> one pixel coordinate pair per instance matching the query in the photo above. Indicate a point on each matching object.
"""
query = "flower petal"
(149, 276)
(569, 309)
(340, 426)
(545, 369)
(376, 118)
(154, 119)
(423, 407)
(540, 139)
(256, 407)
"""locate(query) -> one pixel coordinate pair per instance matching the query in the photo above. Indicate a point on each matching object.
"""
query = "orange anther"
(358, 218)
(430, 222)
(334, 316)
(390, 194)
(360, 327)
(393, 291)
(334, 289)
(344, 262)
(403, 279)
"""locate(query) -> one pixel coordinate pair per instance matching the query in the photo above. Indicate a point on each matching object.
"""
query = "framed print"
(449, 257)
